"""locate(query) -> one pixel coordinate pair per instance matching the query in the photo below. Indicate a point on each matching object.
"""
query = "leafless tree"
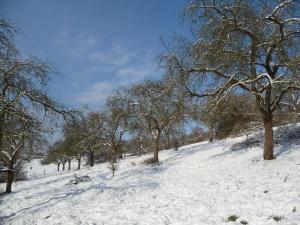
(75, 134)
(245, 45)
(156, 107)
(11, 156)
(23, 94)
(17, 143)
(116, 124)
(89, 133)
(53, 155)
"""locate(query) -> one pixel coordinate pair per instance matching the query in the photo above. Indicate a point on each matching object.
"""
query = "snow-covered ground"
(203, 183)
(34, 168)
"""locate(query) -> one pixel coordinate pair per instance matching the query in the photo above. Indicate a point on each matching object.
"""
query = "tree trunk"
(168, 141)
(211, 133)
(156, 149)
(1, 128)
(58, 165)
(64, 163)
(69, 164)
(79, 163)
(9, 181)
(269, 141)
(92, 158)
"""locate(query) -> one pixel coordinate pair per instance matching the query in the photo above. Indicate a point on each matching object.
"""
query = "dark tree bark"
(92, 157)
(10, 178)
(268, 142)
(211, 133)
(1, 128)
(58, 165)
(63, 163)
(79, 162)
(69, 164)
(156, 149)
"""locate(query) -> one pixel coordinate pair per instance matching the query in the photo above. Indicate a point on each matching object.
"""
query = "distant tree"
(116, 124)
(72, 136)
(241, 45)
(207, 113)
(88, 131)
(54, 155)
(238, 114)
(171, 133)
(233, 115)
(156, 105)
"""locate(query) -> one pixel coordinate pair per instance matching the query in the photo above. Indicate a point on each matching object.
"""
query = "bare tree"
(23, 94)
(74, 133)
(11, 156)
(89, 129)
(53, 155)
(251, 46)
(17, 142)
(116, 124)
(156, 106)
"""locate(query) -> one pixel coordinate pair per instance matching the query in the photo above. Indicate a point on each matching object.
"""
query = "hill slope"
(203, 183)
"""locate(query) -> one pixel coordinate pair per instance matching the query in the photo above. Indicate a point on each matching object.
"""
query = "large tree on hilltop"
(242, 45)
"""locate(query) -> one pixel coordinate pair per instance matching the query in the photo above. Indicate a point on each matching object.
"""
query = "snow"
(203, 183)
(34, 168)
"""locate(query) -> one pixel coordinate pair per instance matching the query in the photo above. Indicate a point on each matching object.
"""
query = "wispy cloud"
(116, 57)
(76, 45)
(121, 66)
(96, 93)
(136, 73)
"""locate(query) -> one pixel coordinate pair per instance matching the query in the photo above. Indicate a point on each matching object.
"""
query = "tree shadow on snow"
(73, 192)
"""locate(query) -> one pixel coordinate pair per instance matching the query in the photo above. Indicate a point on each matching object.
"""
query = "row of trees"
(240, 68)
(240, 65)
(150, 109)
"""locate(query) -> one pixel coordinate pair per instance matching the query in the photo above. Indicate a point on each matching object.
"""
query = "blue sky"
(96, 46)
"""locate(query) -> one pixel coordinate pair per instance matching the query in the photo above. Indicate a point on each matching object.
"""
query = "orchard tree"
(207, 113)
(89, 130)
(54, 155)
(234, 114)
(11, 154)
(245, 45)
(18, 143)
(156, 105)
(116, 119)
(23, 94)
(73, 134)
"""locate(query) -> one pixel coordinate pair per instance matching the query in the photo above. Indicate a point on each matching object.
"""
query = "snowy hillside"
(34, 168)
(204, 183)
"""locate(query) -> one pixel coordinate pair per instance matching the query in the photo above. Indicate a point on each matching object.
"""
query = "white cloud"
(97, 93)
(76, 45)
(125, 68)
(137, 73)
(116, 57)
